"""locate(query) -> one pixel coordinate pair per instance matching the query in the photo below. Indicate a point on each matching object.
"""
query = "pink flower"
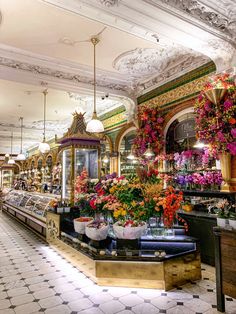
(221, 136)
(233, 132)
(207, 106)
(160, 120)
(228, 104)
(232, 148)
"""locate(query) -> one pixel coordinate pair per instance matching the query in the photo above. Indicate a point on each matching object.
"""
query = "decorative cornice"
(109, 3)
(36, 69)
(174, 84)
(179, 94)
(223, 21)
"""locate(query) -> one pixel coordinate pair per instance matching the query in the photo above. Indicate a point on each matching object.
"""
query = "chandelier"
(94, 125)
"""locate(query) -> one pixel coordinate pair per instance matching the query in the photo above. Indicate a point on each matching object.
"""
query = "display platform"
(163, 262)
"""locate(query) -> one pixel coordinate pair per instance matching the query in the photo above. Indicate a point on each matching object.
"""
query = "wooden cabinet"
(225, 249)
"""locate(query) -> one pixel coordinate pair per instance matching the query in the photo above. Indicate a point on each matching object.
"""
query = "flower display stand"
(228, 169)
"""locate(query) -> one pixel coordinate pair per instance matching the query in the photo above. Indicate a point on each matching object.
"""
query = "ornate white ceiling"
(145, 44)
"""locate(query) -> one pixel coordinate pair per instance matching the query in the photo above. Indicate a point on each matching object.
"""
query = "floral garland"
(150, 130)
(216, 124)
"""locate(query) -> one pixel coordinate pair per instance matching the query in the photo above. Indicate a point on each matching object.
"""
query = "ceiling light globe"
(11, 161)
(131, 156)
(95, 126)
(200, 144)
(105, 159)
(20, 157)
(44, 147)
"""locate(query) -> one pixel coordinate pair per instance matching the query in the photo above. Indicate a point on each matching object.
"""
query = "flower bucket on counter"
(232, 223)
(222, 222)
(97, 230)
(80, 224)
(129, 231)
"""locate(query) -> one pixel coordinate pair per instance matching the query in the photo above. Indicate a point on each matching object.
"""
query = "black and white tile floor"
(34, 278)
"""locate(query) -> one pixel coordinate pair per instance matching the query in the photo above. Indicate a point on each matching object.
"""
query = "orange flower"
(232, 121)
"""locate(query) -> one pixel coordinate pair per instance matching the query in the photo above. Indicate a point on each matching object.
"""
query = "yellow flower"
(133, 203)
(123, 212)
(112, 190)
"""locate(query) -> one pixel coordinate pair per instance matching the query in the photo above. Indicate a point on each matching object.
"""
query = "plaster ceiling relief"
(217, 14)
(109, 3)
(150, 66)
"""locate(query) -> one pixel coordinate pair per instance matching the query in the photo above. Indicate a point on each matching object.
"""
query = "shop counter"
(162, 262)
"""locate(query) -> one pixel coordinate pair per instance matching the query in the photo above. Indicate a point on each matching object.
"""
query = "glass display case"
(80, 150)
(34, 204)
(6, 178)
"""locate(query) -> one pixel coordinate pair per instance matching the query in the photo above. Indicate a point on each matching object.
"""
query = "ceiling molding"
(221, 23)
(60, 70)
(151, 67)
(152, 20)
(109, 3)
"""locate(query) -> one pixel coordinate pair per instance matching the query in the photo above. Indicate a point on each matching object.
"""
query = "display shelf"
(201, 223)
(209, 193)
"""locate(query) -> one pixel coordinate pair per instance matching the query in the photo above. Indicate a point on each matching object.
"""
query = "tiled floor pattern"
(36, 279)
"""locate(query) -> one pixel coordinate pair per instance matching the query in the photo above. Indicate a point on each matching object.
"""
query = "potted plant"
(223, 213)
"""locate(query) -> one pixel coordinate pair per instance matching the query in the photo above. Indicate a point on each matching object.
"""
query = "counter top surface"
(197, 213)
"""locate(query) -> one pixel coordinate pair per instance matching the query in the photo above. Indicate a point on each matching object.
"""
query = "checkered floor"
(36, 279)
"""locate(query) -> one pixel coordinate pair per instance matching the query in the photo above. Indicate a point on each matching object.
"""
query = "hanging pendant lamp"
(11, 161)
(21, 156)
(43, 146)
(94, 125)
(149, 152)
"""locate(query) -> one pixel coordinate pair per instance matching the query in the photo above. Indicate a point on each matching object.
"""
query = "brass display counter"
(109, 265)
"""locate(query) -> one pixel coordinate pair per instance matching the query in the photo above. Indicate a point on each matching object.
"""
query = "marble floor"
(34, 278)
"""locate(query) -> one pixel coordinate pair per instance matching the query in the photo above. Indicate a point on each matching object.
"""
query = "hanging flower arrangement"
(216, 123)
(150, 130)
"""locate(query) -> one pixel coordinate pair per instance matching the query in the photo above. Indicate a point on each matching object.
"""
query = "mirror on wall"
(127, 165)
(181, 134)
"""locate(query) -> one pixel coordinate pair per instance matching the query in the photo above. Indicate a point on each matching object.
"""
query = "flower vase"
(222, 222)
(129, 232)
(97, 230)
(232, 223)
(169, 233)
(225, 162)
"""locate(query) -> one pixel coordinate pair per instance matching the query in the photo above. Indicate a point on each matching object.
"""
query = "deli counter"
(28, 208)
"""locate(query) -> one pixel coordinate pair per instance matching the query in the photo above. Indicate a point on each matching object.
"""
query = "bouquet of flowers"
(216, 123)
(168, 203)
(109, 184)
(150, 131)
